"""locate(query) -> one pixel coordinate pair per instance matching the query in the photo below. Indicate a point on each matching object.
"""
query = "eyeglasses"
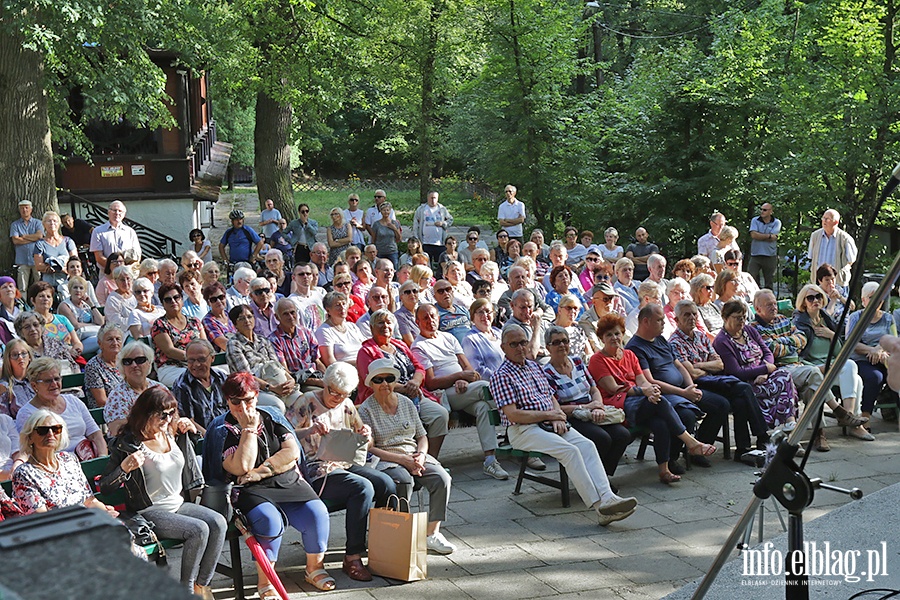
(245, 400)
(219, 298)
(137, 360)
(731, 263)
(445, 290)
(502, 236)
(814, 298)
(709, 288)
(342, 284)
(353, 200)
(559, 343)
(49, 380)
(262, 291)
(570, 307)
(592, 259)
(304, 212)
(485, 311)
(472, 239)
(303, 274)
(43, 430)
(384, 379)
(380, 196)
(518, 344)
(408, 292)
(172, 299)
(18, 355)
(165, 415)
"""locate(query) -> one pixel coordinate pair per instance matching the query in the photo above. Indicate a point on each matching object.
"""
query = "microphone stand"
(786, 481)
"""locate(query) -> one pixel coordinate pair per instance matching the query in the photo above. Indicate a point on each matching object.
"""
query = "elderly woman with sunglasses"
(101, 374)
(249, 352)
(85, 437)
(50, 476)
(134, 362)
(350, 485)
(581, 400)
(216, 324)
(819, 328)
(703, 295)
(401, 444)
(15, 391)
(171, 334)
(153, 460)
(30, 327)
(482, 344)
(261, 454)
(145, 312)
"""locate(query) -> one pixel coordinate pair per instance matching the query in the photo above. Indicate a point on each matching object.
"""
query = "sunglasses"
(218, 298)
(261, 291)
(384, 379)
(731, 263)
(342, 284)
(559, 343)
(709, 288)
(445, 290)
(592, 259)
(43, 430)
(814, 297)
(137, 360)
(165, 415)
(408, 292)
(304, 212)
(172, 299)
(472, 239)
(245, 400)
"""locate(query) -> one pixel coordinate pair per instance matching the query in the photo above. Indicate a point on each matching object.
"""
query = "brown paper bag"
(397, 547)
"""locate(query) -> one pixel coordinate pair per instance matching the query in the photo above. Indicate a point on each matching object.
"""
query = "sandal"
(320, 580)
(702, 450)
(668, 478)
(268, 593)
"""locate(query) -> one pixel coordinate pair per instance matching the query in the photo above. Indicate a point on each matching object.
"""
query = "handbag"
(397, 546)
(612, 416)
(340, 445)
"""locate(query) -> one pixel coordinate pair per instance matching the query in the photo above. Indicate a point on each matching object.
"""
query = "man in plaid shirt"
(695, 352)
(786, 341)
(536, 423)
(295, 345)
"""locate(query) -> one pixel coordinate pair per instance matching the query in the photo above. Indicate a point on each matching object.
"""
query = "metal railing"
(154, 244)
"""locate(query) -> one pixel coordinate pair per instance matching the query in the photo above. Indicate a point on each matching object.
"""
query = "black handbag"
(142, 534)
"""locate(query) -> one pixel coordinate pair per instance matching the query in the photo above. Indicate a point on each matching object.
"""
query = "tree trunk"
(272, 157)
(426, 130)
(26, 158)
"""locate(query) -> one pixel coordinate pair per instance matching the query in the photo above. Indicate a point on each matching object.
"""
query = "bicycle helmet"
(236, 214)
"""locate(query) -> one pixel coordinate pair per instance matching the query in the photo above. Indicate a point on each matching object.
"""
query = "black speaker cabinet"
(76, 553)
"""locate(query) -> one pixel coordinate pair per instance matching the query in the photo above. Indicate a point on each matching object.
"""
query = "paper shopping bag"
(397, 547)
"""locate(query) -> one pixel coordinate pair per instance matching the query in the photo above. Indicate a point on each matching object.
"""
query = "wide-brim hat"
(382, 366)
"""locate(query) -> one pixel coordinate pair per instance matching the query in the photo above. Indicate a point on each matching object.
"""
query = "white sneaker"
(439, 544)
(536, 464)
(493, 469)
(617, 505)
(607, 519)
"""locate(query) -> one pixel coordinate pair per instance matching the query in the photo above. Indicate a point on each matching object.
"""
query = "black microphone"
(893, 183)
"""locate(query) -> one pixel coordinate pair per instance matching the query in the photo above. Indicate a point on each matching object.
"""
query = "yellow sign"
(114, 171)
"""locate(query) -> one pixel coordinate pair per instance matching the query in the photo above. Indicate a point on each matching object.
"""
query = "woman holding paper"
(345, 484)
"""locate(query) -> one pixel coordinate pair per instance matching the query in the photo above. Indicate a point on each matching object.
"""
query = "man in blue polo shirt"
(243, 243)
(660, 367)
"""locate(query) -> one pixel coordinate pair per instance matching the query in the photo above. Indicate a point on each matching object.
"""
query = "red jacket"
(369, 352)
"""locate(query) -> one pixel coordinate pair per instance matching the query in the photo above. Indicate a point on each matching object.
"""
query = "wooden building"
(168, 179)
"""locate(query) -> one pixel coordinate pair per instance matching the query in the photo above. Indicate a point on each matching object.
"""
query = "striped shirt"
(298, 351)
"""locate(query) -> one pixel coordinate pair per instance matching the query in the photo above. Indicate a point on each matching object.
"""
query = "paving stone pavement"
(528, 546)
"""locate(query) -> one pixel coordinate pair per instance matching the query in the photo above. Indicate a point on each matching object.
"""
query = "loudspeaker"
(76, 553)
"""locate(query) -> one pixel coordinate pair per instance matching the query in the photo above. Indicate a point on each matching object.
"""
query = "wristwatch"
(269, 466)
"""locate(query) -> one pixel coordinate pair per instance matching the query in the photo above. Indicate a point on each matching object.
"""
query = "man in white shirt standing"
(511, 214)
(709, 242)
(115, 236)
(430, 225)
(268, 218)
(354, 215)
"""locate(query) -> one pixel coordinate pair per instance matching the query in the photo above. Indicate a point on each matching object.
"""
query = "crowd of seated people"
(575, 353)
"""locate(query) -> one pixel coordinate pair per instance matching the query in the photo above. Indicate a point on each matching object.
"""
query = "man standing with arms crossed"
(24, 233)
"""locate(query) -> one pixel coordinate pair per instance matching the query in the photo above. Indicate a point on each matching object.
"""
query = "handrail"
(154, 244)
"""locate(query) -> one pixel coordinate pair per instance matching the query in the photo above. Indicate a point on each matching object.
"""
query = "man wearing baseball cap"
(24, 232)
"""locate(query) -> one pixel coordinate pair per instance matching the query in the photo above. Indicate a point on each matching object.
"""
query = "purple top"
(729, 351)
